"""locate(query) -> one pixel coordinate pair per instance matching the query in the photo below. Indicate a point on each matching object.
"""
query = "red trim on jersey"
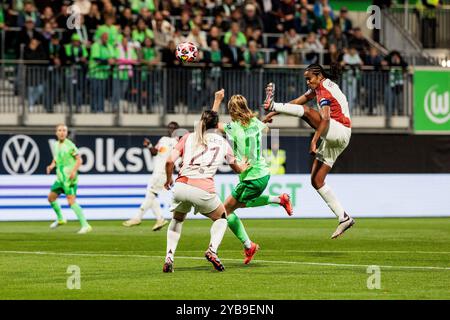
(181, 143)
(335, 107)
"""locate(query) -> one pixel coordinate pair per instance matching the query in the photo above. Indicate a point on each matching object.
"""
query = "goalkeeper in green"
(67, 161)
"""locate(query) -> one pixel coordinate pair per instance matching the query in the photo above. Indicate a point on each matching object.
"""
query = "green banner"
(432, 101)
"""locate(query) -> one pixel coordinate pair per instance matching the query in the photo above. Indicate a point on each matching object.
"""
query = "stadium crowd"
(110, 37)
(227, 32)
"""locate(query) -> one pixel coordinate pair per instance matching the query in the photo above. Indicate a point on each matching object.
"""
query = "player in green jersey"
(67, 160)
(245, 133)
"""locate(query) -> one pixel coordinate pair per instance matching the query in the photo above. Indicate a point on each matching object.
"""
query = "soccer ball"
(187, 52)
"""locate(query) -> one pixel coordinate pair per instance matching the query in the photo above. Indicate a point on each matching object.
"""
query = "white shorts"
(156, 183)
(336, 140)
(186, 196)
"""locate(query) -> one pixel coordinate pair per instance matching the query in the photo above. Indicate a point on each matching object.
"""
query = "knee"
(51, 198)
(317, 182)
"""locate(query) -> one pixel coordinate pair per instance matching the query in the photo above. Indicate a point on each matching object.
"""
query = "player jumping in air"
(202, 153)
(160, 152)
(67, 161)
(245, 132)
(331, 123)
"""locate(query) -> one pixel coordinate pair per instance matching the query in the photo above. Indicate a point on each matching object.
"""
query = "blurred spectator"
(235, 32)
(168, 55)
(63, 15)
(343, 21)
(141, 32)
(27, 33)
(75, 54)
(110, 28)
(228, 6)
(35, 87)
(126, 18)
(48, 16)
(373, 59)
(198, 37)
(286, 13)
(304, 24)
(352, 62)
(428, 22)
(51, 79)
(2, 18)
(333, 56)
(214, 34)
(294, 40)
(313, 48)
(319, 7)
(252, 57)
(138, 5)
(214, 56)
(101, 60)
(359, 42)
(233, 53)
(325, 21)
(338, 38)
(162, 30)
(29, 12)
(397, 70)
(47, 31)
(94, 18)
(257, 36)
(83, 5)
(279, 56)
(220, 23)
(324, 42)
(125, 58)
(251, 19)
(184, 24)
(150, 55)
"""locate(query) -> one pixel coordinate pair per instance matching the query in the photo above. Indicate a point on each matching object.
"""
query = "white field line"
(233, 260)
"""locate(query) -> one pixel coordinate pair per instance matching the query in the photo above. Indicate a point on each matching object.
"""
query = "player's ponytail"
(333, 74)
(208, 120)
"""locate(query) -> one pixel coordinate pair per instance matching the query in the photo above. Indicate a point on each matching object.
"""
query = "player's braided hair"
(208, 120)
(333, 74)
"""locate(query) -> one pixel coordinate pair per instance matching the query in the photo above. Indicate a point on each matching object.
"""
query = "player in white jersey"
(331, 123)
(202, 153)
(160, 153)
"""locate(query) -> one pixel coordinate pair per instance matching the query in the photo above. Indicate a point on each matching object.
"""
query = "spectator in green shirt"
(241, 40)
(148, 87)
(141, 32)
(102, 57)
(110, 28)
(252, 57)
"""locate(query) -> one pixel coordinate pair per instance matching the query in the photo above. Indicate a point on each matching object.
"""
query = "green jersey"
(64, 156)
(246, 141)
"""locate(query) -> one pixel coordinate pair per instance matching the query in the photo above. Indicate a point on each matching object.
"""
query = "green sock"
(235, 224)
(79, 212)
(258, 202)
(57, 208)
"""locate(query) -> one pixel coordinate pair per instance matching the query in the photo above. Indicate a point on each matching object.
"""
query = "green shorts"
(250, 189)
(67, 188)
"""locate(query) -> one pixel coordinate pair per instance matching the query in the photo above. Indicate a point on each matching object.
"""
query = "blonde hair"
(61, 125)
(239, 110)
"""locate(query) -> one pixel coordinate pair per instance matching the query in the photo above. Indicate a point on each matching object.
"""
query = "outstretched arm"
(218, 98)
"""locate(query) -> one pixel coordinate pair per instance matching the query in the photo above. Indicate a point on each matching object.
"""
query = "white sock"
(289, 108)
(147, 204)
(156, 208)
(274, 199)
(218, 229)
(173, 235)
(331, 200)
(247, 244)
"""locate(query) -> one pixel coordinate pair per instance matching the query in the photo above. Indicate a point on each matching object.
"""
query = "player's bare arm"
(239, 167)
(218, 98)
(170, 165)
(148, 144)
(322, 128)
(78, 163)
(51, 166)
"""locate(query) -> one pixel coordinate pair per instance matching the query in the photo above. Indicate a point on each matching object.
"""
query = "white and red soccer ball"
(187, 52)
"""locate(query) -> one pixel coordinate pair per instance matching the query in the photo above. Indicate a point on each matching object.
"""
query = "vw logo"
(20, 155)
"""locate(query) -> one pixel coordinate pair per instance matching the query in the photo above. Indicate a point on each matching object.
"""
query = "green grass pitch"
(297, 260)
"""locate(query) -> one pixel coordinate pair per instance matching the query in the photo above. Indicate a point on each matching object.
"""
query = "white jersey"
(164, 146)
(200, 162)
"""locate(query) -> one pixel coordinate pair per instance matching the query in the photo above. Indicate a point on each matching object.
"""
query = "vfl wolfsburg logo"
(437, 105)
